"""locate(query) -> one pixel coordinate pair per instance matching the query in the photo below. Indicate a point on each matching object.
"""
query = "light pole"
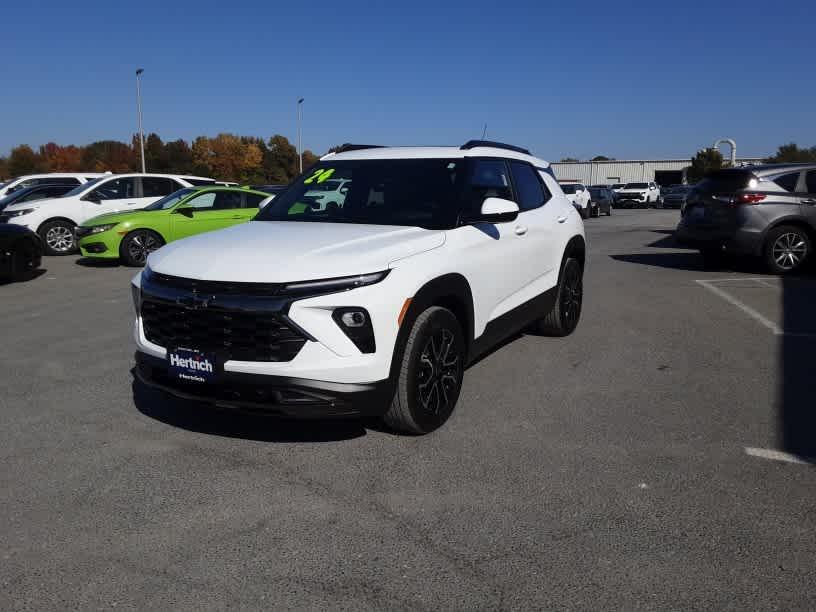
(139, 112)
(300, 120)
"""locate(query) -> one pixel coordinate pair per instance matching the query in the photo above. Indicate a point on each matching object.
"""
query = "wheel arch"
(576, 247)
(794, 221)
(451, 291)
(52, 219)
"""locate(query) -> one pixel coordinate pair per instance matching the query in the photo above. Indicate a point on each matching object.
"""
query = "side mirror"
(496, 210)
(187, 211)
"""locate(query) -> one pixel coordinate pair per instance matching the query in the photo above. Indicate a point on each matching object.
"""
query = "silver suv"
(767, 211)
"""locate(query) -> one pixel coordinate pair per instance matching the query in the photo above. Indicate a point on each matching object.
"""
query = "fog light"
(353, 318)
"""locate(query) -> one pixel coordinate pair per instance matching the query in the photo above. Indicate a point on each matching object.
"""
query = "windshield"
(170, 200)
(330, 185)
(636, 186)
(569, 188)
(81, 188)
(617, 186)
(411, 192)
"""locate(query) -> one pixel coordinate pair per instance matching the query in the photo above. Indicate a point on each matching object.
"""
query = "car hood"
(288, 251)
(119, 217)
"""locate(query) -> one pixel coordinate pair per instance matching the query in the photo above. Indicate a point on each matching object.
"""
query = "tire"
(137, 245)
(787, 249)
(435, 353)
(24, 261)
(713, 257)
(566, 312)
(58, 237)
(609, 211)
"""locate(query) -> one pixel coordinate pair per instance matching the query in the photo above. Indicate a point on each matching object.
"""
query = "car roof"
(434, 153)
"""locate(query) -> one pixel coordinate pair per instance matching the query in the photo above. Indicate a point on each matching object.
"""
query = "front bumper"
(272, 395)
(102, 245)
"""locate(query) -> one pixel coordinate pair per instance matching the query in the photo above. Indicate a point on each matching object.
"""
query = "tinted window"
(811, 181)
(40, 193)
(171, 200)
(725, 181)
(569, 188)
(528, 186)
(225, 200)
(115, 189)
(155, 187)
(65, 180)
(254, 200)
(199, 182)
(636, 186)
(787, 181)
(409, 192)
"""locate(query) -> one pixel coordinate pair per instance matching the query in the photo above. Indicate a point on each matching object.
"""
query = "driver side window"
(489, 179)
(116, 189)
(205, 201)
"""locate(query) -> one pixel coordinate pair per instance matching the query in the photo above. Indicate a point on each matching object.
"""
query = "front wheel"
(430, 376)
(58, 237)
(137, 245)
(566, 312)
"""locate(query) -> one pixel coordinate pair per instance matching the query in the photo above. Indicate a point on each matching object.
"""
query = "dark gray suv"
(767, 211)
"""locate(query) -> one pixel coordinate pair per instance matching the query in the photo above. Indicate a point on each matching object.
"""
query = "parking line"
(743, 307)
(775, 455)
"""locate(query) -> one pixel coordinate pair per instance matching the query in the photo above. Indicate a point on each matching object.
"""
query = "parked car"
(578, 194)
(675, 196)
(604, 200)
(638, 195)
(37, 192)
(273, 189)
(20, 252)
(54, 178)
(55, 219)
(132, 235)
(616, 187)
(372, 307)
(768, 211)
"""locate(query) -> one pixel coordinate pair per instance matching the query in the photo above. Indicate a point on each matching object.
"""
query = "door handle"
(810, 201)
(520, 230)
(561, 219)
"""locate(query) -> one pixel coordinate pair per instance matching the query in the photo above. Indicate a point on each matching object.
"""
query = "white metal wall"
(622, 171)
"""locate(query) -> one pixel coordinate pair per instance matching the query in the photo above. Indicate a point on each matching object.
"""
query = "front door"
(209, 211)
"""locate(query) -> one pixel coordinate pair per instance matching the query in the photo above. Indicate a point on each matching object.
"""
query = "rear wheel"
(566, 312)
(430, 376)
(58, 237)
(137, 245)
(787, 249)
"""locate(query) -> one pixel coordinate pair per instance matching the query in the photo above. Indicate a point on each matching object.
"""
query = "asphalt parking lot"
(651, 460)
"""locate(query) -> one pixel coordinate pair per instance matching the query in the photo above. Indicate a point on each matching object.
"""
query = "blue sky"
(627, 80)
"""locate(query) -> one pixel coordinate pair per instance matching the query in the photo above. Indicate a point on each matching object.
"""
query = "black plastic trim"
(472, 144)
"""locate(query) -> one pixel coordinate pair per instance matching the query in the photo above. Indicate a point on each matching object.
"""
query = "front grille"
(216, 287)
(232, 334)
(630, 196)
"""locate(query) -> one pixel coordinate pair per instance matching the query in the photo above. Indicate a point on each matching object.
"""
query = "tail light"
(749, 198)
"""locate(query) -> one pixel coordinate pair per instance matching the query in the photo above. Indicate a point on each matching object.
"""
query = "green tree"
(569, 159)
(110, 155)
(705, 161)
(280, 163)
(603, 158)
(791, 153)
(179, 157)
(23, 160)
(4, 171)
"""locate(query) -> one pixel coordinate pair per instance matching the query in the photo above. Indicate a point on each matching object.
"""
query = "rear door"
(809, 199)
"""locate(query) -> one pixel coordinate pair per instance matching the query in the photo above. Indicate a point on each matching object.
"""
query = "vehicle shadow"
(688, 260)
(206, 419)
(90, 262)
(34, 274)
(795, 395)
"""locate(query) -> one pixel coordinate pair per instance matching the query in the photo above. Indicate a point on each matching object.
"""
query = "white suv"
(639, 194)
(55, 219)
(372, 307)
(579, 195)
(54, 178)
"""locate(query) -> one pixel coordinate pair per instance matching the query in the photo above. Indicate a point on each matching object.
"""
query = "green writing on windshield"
(320, 176)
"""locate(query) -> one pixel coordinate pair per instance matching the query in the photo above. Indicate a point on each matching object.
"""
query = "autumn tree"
(23, 160)
(227, 157)
(56, 158)
(4, 171)
(179, 157)
(281, 161)
(109, 155)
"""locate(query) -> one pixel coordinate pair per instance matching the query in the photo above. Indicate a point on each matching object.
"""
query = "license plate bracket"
(193, 366)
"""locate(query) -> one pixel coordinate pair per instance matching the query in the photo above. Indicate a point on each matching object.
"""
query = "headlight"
(19, 213)
(333, 285)
(98, 229)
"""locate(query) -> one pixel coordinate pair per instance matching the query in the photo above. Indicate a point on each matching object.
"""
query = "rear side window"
(227, 200)
(157, 187)
(200, 182)
(254, 200)
(787, 181)
(528, 186)
(811, 181)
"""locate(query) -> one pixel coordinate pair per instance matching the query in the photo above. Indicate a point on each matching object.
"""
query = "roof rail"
(472, 144)
(356, 147)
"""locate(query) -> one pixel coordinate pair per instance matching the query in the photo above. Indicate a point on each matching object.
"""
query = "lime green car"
(132, 235)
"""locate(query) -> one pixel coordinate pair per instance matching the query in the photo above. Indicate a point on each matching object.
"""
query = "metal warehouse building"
(662, 171)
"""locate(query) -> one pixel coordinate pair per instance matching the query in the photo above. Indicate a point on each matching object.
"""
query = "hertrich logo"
(190, 363)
